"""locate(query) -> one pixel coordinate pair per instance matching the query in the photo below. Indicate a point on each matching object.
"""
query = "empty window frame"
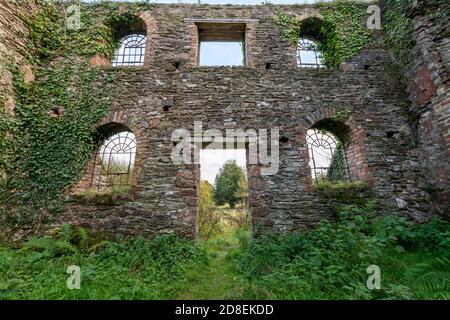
(131, 51)
(327, 157)
(308, 54)
(114, 162)
(221, 44)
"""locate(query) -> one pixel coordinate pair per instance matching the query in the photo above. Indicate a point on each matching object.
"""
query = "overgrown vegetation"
(51, 151)
(109, 197)
(223, 208)
(208, 218)
(47, 143)
(96, 36)
(343, 31)
(123, 269)
(329, 262)
(331, 187)
(398, 30)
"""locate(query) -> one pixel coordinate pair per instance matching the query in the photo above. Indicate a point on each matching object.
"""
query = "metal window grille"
(308, 55)
(114, 162)
(131, 51)
(326, 156)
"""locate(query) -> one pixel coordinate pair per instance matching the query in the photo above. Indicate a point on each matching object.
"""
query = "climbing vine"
(398, 30)
(398, 26)
(343, 32)
(342, 114)
(7, 134)
(95, 36)
(49, 139)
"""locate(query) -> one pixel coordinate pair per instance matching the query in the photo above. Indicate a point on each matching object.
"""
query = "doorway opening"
(223, 211)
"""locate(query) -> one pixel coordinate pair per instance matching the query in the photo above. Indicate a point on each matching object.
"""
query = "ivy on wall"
(343, 32)
(397, 29)
(398, 26)
(95, 36)
(47, 143)
(56, 121)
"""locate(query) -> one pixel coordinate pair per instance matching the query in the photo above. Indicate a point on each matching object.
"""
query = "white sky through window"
(212, 160)
(221, 53)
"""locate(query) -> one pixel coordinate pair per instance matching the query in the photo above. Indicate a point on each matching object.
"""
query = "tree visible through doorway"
(223, 207)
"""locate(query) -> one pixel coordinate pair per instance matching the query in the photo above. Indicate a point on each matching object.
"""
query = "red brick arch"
(310, 13)
(149, 26)
(120, 121)
(355, 151)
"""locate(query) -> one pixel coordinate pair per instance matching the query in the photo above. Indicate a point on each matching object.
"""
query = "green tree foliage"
(338, 168)
(227, 184)
(208, 217)
(242, 191)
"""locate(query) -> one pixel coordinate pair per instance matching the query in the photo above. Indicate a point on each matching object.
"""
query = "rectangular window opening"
(221, 44)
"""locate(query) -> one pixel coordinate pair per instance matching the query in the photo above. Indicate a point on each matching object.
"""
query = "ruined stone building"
(395, 139)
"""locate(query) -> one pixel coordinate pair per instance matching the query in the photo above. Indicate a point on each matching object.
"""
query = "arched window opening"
(130, 33)
(311, 36)
(131, 51)
(308, 54)
(327, 158)
(114, 162)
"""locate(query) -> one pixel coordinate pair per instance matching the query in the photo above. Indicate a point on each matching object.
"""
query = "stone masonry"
(171, 91)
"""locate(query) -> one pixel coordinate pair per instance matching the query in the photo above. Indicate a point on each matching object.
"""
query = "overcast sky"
(212, 160)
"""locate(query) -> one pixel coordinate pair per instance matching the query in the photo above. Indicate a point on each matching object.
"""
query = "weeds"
(329, 262)
(109, 197)
(124, 269)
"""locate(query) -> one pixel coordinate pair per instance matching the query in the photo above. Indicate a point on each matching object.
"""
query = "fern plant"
(66, 242)
(433, 275)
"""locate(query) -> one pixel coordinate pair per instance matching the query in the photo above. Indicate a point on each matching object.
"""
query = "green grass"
(329, 262)
(126, 269)
(217, 278)
(341, 186)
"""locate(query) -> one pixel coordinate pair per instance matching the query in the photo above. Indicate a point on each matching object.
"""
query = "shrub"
(330, 262)
(208, 217)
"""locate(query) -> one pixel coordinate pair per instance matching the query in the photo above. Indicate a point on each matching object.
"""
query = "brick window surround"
(222, 29)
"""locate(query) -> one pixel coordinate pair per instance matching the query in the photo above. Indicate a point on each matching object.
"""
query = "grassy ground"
(327, 263)
(218, 278)
(214, 280)
(124, 269)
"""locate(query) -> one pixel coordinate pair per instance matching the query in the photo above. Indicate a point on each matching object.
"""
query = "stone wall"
(427, 79)
(170, 91)
(429, 83)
